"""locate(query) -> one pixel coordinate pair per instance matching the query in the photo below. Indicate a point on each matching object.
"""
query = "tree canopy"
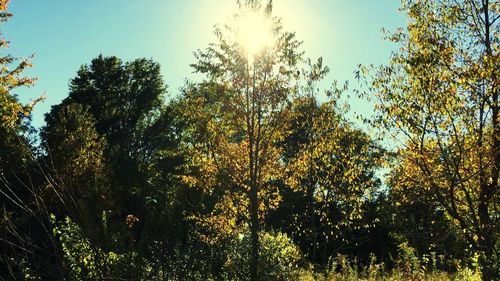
(439, 96)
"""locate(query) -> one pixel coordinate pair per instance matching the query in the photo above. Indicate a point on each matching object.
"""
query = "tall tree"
(117, 126)
(18, 206)
(439, 96)
(331, 171)
(237, 115)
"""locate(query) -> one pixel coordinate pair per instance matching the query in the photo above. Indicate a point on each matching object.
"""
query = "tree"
(331, 171)
(113, 146)
(13, 114)
(11, 111)
(439, 96)
(15, 155)
(124, 101)
(236, 119)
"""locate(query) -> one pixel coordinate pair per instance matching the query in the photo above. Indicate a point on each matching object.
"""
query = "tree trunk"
(254, 215)
(254, 228)
(487, 190)
(314, 234)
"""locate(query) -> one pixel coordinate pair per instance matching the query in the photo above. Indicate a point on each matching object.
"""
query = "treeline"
(254, 172)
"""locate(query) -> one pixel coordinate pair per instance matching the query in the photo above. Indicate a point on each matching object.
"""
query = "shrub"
(279, 257)
(84, 261)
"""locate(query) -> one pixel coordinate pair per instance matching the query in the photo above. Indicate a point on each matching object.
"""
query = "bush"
(279, 257)
(84, 261)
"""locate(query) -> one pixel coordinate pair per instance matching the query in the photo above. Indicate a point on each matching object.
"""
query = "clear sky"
(64, 34)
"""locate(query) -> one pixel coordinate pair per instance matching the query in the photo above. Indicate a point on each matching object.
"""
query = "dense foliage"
(254, 172)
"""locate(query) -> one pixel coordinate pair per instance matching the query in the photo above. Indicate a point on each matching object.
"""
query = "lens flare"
(254, 33)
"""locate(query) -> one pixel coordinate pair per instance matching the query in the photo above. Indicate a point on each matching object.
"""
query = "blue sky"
(64, 34)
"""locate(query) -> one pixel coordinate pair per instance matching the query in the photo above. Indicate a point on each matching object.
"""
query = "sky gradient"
(64, 34)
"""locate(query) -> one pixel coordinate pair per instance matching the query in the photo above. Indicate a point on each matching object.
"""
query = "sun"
(254, 32)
